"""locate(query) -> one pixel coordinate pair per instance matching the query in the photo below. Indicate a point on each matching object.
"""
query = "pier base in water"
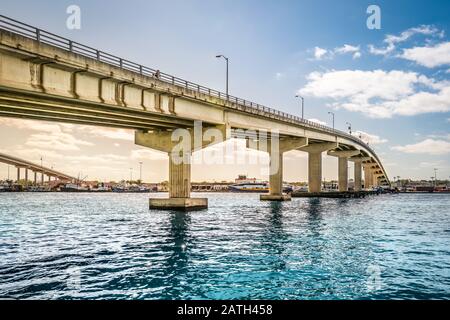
(337, 194)
(269, 197)
(179, 204)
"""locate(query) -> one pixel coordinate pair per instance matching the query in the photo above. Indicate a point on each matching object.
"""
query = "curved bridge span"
(47, 77)
(35, 168)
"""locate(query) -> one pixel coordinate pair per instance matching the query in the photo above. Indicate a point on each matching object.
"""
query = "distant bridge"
(46, 77)
(35, 168)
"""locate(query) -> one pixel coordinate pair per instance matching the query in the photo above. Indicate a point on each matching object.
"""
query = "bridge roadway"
(46, 77)
(35, 168)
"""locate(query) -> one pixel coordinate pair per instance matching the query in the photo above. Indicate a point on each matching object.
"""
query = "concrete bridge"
(47, 77)
(27, 166)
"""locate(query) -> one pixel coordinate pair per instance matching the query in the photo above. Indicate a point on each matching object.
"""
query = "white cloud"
(59, 136)
(99, 159)
(445, 136)
(148, 154)
(439, 164)
(108, 133)
(370, 138)
(428, 146)
(346, 48)
(31, 125)
(391, 41)
(378, 93)
(33, 154)
(319, 53)
(56, 141)
(57, 128)
(318, 121)
(430, 57)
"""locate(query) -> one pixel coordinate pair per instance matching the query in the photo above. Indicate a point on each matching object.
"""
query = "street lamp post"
(303, 105)
(349, 127)
(227, 61)
(332, 114)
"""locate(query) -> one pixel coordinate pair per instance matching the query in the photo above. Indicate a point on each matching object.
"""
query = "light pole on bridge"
(227, 61)
(303, 106)
(332, 114)
(349, 127)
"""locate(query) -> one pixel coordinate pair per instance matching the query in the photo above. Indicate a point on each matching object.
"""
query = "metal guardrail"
(49, 38)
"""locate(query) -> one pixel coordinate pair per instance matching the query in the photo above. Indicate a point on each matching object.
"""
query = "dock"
(335, 194)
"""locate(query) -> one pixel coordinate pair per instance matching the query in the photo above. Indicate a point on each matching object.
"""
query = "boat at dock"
(244, 184)
(72, 187)
(125, 188)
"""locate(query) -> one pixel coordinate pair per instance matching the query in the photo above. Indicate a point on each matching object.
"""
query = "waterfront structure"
(47, 77)
(28, 166)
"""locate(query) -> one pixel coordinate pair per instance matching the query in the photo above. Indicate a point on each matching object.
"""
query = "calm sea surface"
(110, 246)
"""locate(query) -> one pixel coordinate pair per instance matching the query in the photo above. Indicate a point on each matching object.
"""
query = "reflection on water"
(175, 266)
(105, 246)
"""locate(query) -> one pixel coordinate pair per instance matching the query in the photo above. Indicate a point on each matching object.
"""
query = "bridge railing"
(46, 37)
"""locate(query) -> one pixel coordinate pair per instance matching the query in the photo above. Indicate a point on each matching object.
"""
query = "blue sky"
(274, 49)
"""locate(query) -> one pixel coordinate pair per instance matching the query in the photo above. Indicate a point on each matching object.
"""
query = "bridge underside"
(42, 82)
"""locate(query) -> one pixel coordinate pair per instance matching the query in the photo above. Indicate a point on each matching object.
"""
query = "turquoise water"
(110, 246)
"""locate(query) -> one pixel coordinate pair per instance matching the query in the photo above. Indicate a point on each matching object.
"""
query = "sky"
(392, 84)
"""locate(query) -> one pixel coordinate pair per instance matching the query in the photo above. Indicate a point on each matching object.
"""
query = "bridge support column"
(18, 174)
(376, 179)
(179, 178)
(276, 180)
(179, 145)
(343, 156)
(35, 178)
(26, 177)
(315, 164)
(368, 177)
(276, 149)
(343, 174)
(358, 162)
(358, 175)
(315, 172)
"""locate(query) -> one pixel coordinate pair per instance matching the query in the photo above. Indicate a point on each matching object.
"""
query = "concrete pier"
(358, 175)
(315, 163)
(276, 180)
(276, 150)
(368, 178)
(180, 156)
(343, 157)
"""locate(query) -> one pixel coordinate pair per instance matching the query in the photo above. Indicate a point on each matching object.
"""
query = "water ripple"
(110, 246)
